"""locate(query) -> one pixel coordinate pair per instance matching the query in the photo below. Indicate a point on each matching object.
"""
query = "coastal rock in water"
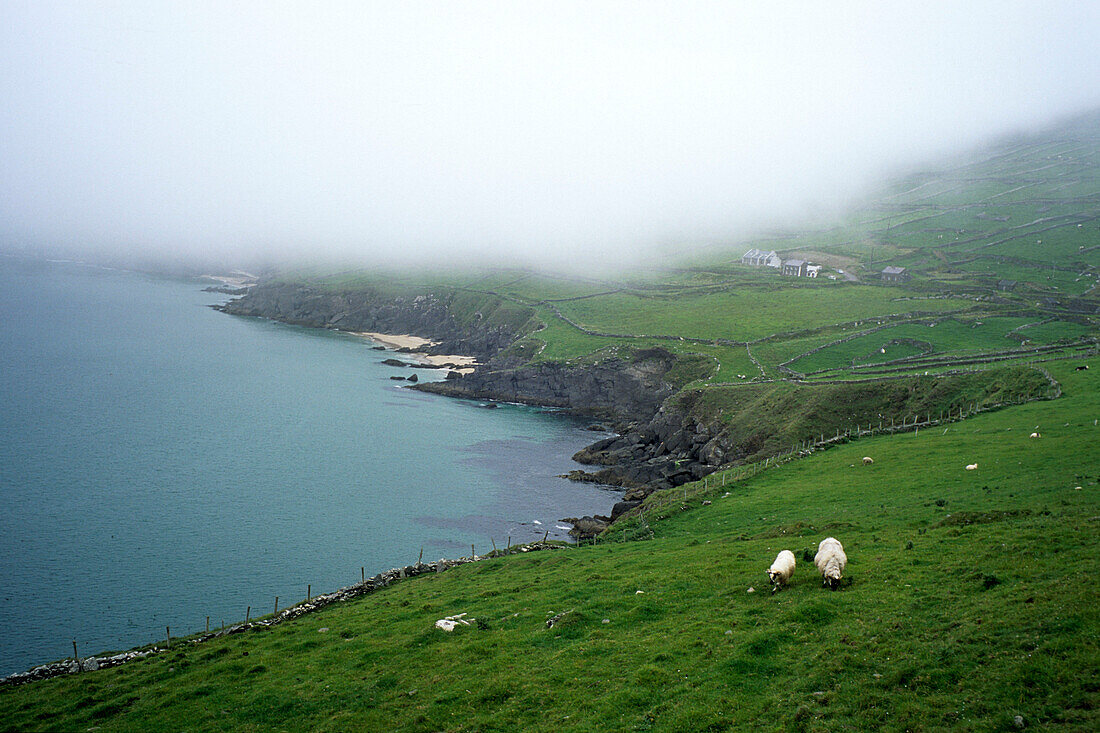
(413, 378)
(395, 363)
(400, 379)
(585, 528)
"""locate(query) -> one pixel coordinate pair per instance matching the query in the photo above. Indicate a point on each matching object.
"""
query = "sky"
(563, 133)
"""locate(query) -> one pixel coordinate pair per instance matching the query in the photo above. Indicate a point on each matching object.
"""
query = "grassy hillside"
(970, 601)
(1003, 247)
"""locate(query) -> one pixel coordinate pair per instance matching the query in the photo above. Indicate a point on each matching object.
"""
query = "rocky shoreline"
(653, 451)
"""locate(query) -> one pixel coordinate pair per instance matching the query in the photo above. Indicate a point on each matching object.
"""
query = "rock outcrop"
(620, 390)
(671, 449)
(429, 315)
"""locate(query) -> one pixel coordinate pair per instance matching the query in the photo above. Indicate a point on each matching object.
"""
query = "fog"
(575, 134)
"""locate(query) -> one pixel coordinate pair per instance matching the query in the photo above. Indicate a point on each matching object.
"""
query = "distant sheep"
(971, 466)
(1036, 435)
(781, 570)
(831, 561)
(867, 460)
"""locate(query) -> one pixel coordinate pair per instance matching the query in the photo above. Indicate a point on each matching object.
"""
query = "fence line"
(912, 423)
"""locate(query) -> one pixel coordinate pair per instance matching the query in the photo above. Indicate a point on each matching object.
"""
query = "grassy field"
(744, 314)
(968, 602)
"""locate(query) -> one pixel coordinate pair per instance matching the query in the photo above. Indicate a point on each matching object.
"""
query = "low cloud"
(558, 133)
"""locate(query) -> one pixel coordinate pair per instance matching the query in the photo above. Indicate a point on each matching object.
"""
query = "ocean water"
(161, 462)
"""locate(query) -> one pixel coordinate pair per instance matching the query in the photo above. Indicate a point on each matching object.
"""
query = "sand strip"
(460, 363)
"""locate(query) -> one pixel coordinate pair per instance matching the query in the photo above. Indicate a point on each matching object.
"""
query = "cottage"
(760, 258)
(896, 275)
(796, 268)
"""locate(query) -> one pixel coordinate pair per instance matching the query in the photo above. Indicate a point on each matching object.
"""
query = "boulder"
(623, 507)
(585, 528)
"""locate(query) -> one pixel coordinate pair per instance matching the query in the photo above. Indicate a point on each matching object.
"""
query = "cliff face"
(698, 430)
(426, 315)
(615, 389)
(670, 449)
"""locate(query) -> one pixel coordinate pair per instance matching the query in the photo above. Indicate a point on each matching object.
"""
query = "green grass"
(1054, 332)
(744, 314)
(969, 602)
(945, 336)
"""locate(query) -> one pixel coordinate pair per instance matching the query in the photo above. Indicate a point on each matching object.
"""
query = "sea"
(162, 463)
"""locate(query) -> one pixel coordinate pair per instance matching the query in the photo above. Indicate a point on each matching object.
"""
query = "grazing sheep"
(1036, 435)
(971, 466)
(867, 460)
(831, 561)
(781, 570)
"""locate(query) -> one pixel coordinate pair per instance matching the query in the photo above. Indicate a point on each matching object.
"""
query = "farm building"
(896, 275)
(760, 258)
(796, 268)
(813, 270)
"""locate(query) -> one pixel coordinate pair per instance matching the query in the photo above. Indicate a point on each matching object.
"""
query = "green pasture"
(1065, 245)
(944, 336)
(1042, 278)
(1055, 331)
(966, 603)
(744, 314)
(558, 341)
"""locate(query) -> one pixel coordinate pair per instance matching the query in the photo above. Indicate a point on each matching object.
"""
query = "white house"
(760, 258)
(795, 268)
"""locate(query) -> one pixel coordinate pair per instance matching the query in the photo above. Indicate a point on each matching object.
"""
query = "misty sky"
(456, 132)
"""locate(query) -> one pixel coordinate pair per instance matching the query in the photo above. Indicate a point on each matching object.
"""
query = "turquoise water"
(161, 462)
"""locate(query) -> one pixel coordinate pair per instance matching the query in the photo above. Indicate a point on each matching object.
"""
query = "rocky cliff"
(459, 325)
(618, 390)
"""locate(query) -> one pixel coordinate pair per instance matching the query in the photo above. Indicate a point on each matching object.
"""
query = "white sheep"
(1036, 435)
(971, 466)
(867, 460)
(781, 570)
(831, 561)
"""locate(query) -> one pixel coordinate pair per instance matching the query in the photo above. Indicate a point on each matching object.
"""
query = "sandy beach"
(235, 280)
(458, 362)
